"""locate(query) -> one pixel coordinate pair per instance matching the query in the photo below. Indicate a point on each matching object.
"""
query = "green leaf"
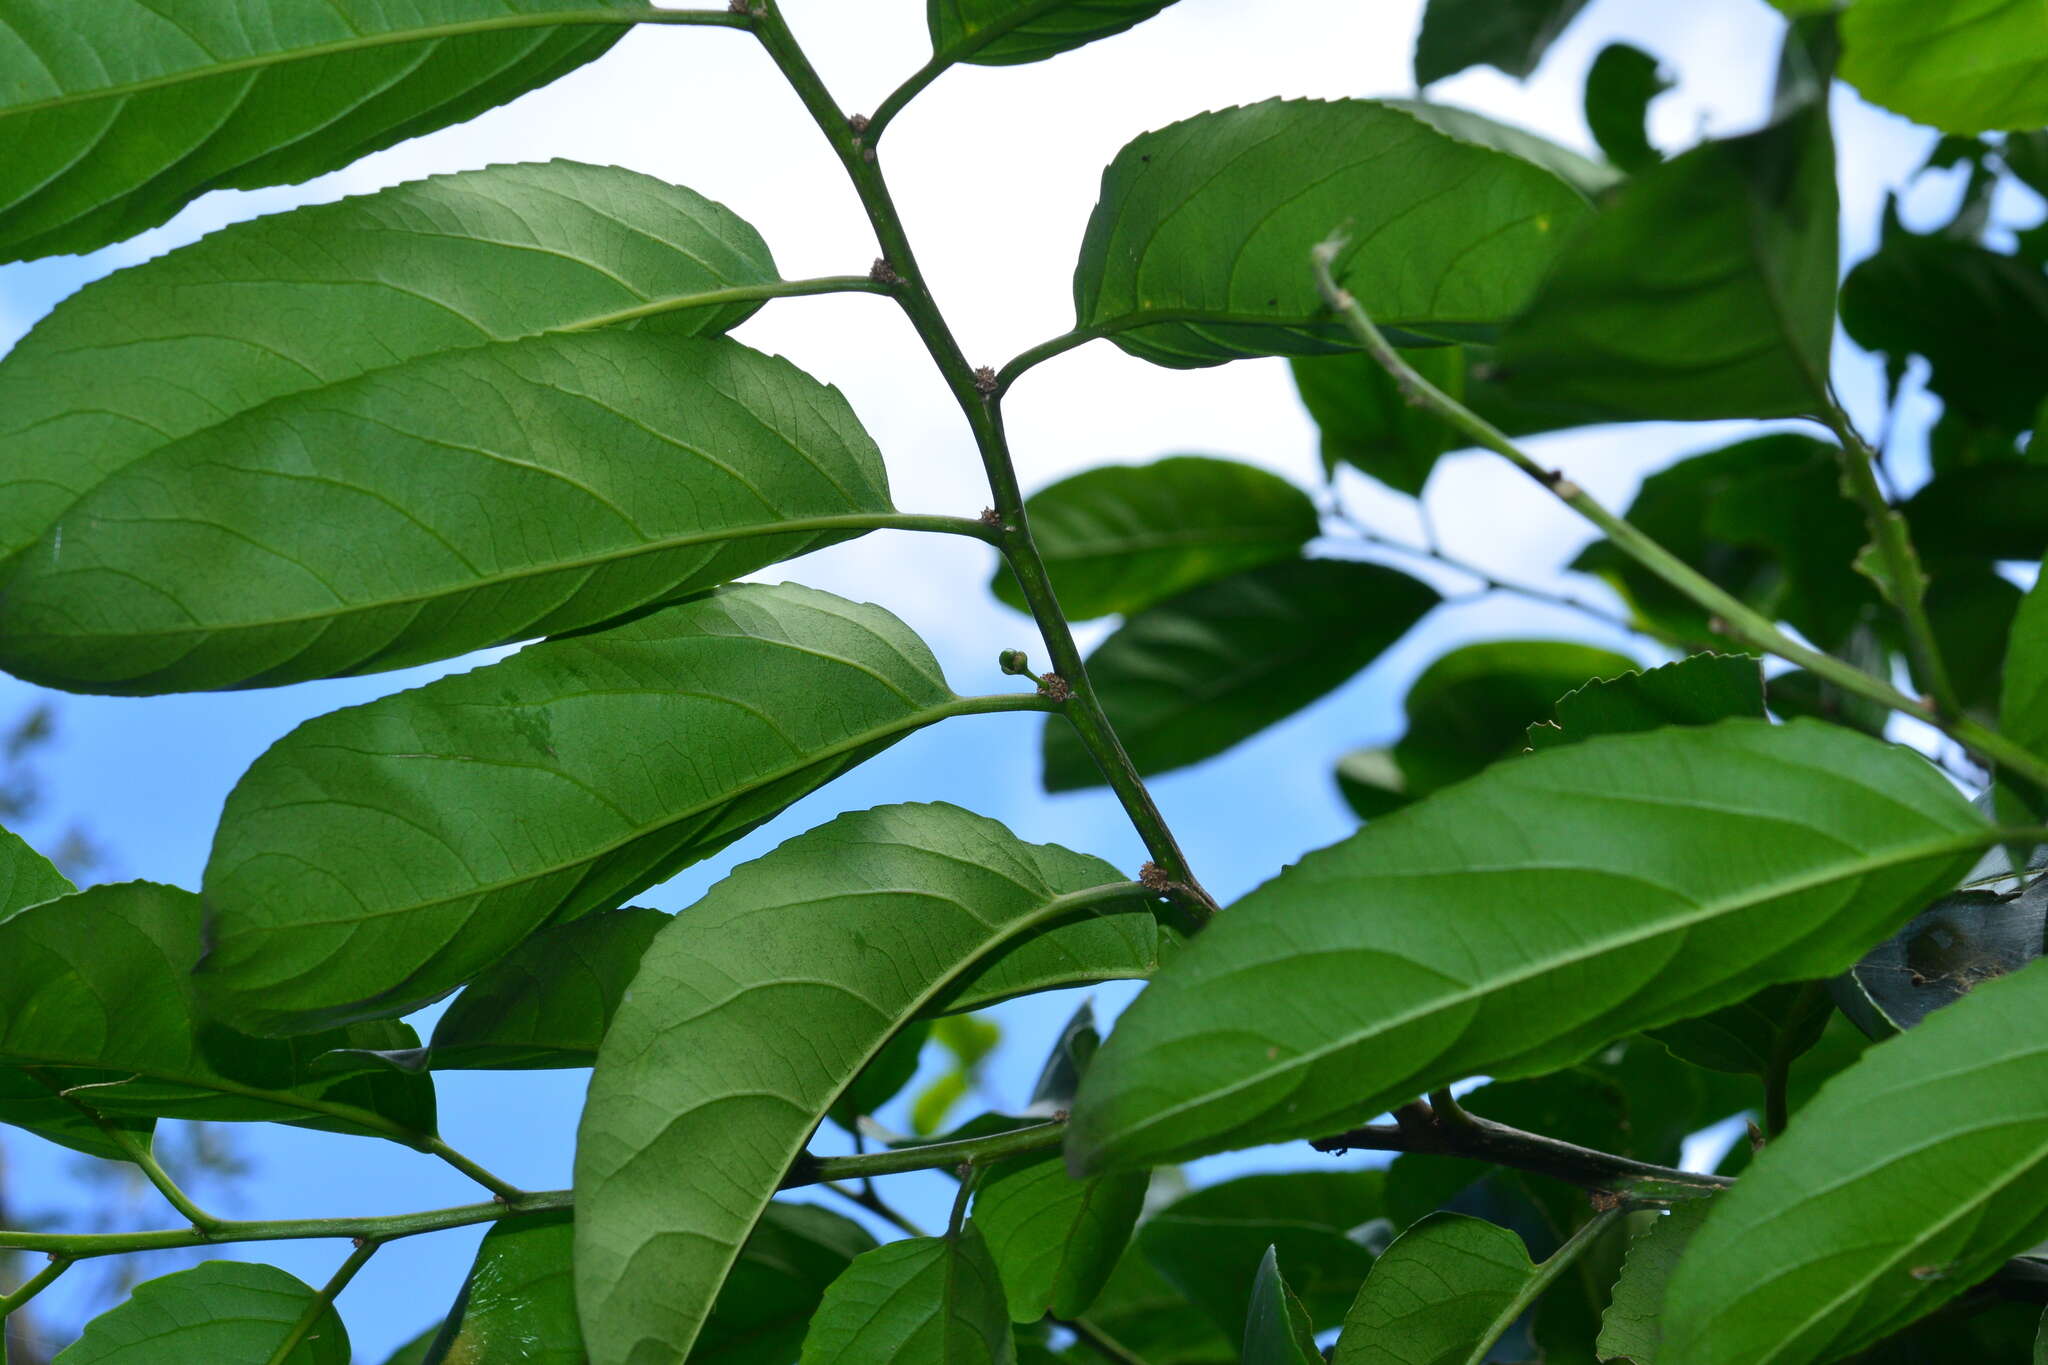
(303, 301)
(2023, 702)
(1631, 1328)
(1122, 537)
(1198, 251)
(1208, 669)
(1697, 690)
(1581, 172)
(97, 988)
(1012, 32)
(1435, 1293)
(222, 1311)
(1945, 952)
(1911, 1177)
(1972, 608)
(1120, 943)
(1276, 1328)
(1616, 885)
(1367, 424)
(26, 876)
(1206, 1244)
(1055, 1239)
(414, 1352)
(967, 1041)
(751, 1014)
(624, 470)
(1140, 1311)
(120, 114)
(1979, 317)
(1756, 1037)
(1060, 1077)
(519, 1302)
(28, 1103)
(1968, 66)
(1619, 87)
(1765, 519)
(883, 1078)
(922, 1301)
(1991, 512)
(1706, 288)
(790, 1258)
(1509, 34)
(439, 784)
(1471, 708)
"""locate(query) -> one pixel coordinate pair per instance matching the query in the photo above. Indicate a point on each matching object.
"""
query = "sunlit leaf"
(1206, 670)
(921, 1301)
(225, 1311)
(1198, 250)
(1617, 885)
(1966, 66)
(751, 1014)
(1911, 1177)
(1055, 1239)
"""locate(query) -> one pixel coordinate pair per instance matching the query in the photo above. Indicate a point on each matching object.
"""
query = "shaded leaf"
(1991, 512)
(1796, 693)
(305, 300)
(1704, 289)
(1911, 1177)
(790, 1258)
(1208, 669)
(1576, 169)
(1945, 952)
(1367, 423)
(1757, 1037)
(26, 876)
(1435, 1293)
(921, 1301)
(1060, 1077)
(1206, 1244)
(120, 114)
(621, 470)
(1471, 708)
(1141, 1312)
(751, 1014)
(95, 988)
(967, 1041)
(883, 1078)
(1763, 518)
(438, 784)
(1276, 1328)
(1122, 537)
(225, 1311)
(1011, 32)
(1631, 1327)
(1697, 690)
(1972, 608)
(1509, 34)
(30, 1103)
(2023, 700)
(1188, 262)
(1055, 1239)
(1619, 87)
(1627, 882)
(1121, 942)
(1968, 66)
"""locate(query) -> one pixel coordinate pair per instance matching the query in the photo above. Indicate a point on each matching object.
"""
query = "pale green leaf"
(1911, 1177)
(1198, 250)
(97, 989)
(2023, 701)
(518, 1302)
(378, 856)
(1012, 32)
(1276, 1328)
(509, 491)
(120, 112)
(1122, 537)
(1632, 1326)
(1705, 289)
(922, 1301)
(1615, 885)
(1435, 1293)
(1964, 66)
(1203, 671)
(752, 1012)
(1511, 35)
(302, 301)
(221, 1312)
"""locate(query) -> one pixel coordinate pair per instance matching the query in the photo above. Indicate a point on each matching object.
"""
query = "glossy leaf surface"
(921, 1301)
(1434, 1293)
(1908, 1179)
(751, 1013)
(1122, 537)
(1208, 669)
(302, 301)
(618, 470)
(435, 787)
(519, 1302)
(222, 1311)
(1198, 251)
(120, 113)
(1011, 32)
(1628, 881)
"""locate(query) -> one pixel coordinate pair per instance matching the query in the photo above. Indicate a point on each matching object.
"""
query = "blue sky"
(995, 171)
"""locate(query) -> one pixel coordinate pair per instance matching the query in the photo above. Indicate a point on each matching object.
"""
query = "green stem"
(875, 1204)
(978, 1151)
(970, 1177)
(974, 392)
(1015, 16)
(140, 1153)
(739, 293)
(1533, 1288)
(504, 1189)
(322, 1301)
(1738, 619)
(1044, 351)
(32, 1286)
(1894, 545)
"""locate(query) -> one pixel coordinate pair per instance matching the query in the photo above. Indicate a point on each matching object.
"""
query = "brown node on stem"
(991, 517)
(881, 272)
(1153, 878)
(985, 380)
(1604, 1201)
(858, 122)
(1054, 686)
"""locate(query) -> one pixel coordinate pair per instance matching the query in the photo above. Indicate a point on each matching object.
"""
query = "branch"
(1534, 1286)
(322, 1302)
(1739, 619)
